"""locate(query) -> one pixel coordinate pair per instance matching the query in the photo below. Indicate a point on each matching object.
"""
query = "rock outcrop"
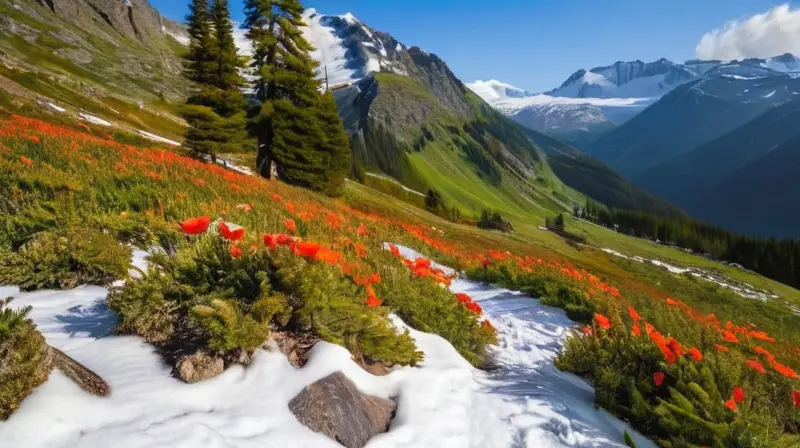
(199, 367)
(333, 406)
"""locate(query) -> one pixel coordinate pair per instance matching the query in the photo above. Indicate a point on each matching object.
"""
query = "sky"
(537, 44)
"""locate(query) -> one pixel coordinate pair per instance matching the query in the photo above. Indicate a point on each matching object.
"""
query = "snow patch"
(329, 50)
(56, 107)
(94, 120)
(157, 138)
(182, 39)
(379, 176)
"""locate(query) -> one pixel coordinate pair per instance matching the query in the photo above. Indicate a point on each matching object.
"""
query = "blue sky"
(536, 44)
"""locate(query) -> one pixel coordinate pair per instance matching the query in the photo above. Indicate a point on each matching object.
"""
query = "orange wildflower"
(676, 347)
(360, 249)
(290, 207)
(602, 321)
(636, 329)
(587, 331)
(270, 241)
(764, 352)
(394, 250)
(784, 370)
(35, 139)
(731, 404)
(234, 234)
(328, 256)
(26, 161)
(722, 348)
(236, 251)
(199, 182)
(488, 325)
(696, 354)
(633, 313)
(307, 250)
(290, 225)
(276, 198)
(361, 230)
(729, 336)
(195, 226)
(761, 336)
(757, 366)
(658, 378)
(372, 299)
(333, 220)
(284, 240)
(247, 208)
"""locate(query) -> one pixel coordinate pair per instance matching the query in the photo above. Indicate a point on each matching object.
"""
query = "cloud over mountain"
(768, 34)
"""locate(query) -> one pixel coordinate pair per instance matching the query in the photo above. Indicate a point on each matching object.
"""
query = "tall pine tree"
(215, 111)
(296, 131)
(336, 145)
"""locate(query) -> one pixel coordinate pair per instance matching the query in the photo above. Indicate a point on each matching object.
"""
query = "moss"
(24, 358)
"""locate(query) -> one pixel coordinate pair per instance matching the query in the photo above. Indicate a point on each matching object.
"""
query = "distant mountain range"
(592, 102)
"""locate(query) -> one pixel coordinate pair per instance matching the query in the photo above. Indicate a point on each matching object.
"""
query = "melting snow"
(443, 403)
(94, 120)
(743, 289)
(57, 108)
(157, 138)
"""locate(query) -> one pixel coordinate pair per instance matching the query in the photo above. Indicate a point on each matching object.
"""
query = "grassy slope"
(103, 87)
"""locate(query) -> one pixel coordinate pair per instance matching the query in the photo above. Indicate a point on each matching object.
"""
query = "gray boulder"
(333, 406)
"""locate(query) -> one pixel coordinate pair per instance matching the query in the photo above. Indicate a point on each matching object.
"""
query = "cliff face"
(134, 19)
(94, 47)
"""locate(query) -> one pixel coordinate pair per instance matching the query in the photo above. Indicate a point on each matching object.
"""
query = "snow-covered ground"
(94, 120)
(525, 402)
(158, 139)
(743, 289)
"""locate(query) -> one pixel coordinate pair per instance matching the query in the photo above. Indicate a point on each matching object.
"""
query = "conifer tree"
(215, 111)
(295, 128)
(336, 145)
(199, 61)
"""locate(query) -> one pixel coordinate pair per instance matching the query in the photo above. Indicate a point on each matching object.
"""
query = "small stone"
(334, 406)
(199, 367)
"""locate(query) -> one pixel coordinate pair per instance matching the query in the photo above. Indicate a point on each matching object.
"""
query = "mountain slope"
(692, 114)
(683, 179)
(759, 199)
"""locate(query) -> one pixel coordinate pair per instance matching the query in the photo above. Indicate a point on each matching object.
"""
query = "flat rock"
(199, 367)
(333, 406)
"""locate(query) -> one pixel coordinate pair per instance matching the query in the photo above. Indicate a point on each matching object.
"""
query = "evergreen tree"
(215, 110)
(336, 145)
(200, 58)
(295, 128)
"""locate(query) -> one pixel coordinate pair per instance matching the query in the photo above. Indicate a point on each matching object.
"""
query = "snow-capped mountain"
(635, 79)
(496, 91)
(349, 50)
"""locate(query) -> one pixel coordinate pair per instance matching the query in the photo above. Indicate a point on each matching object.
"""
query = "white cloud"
(765, 35)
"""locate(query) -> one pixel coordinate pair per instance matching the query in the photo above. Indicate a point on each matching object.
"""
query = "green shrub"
(63, 259)
(24, 358)
(229, 327)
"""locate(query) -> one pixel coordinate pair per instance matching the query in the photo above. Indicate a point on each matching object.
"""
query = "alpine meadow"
(251, 223)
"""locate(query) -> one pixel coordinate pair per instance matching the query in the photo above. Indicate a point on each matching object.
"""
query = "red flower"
(270, 241)
(633, 313)
(361, 230)
(290, 207)
(784, 370)
(307, 250)
(796, 398)
(485, 262)
(602, 321)
(474, 307)
(696, 354)
(729, 337)
(276, 198)
(34, 139)
(234, 234)
(637, 330)
(488, 325)
(587, 331)
(730, 404)
(658, 378)
(247, 208)
(463, 298)
(26, 161)
(196, 226)
(738, 394)
(284, 240)
(721, 348)
(757, 366)
(675, 346)
(394, 250)
(333, 220)
(328, 256)
(236, 251)
(290, 225)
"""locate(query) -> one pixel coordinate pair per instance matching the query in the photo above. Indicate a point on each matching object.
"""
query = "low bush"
(24, 358)
(65, 258)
